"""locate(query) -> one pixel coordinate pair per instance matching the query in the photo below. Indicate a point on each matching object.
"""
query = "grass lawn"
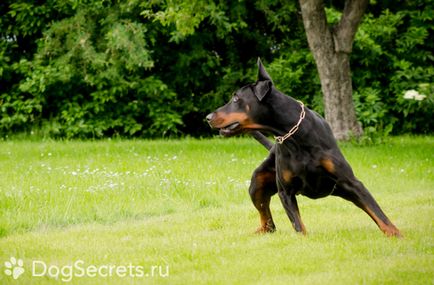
(178, 212)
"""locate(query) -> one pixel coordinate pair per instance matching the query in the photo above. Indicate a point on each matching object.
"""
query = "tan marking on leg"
(266, 220)
(389, 230)
(303, 228)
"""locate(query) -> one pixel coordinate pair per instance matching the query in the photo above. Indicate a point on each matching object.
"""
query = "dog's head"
(244, 111)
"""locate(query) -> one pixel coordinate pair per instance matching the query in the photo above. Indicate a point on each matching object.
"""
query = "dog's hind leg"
(355, 192)
(262, 187)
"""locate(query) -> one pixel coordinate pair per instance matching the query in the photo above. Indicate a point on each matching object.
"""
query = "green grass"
(184, 204)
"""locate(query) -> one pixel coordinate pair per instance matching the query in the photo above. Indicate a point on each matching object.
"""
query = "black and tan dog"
(305, 160)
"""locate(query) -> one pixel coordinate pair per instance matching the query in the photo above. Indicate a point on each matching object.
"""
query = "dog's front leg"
(261, 199)
(262, 187)
(289, 202)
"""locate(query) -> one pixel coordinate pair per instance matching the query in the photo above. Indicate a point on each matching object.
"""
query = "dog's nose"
(209, 117)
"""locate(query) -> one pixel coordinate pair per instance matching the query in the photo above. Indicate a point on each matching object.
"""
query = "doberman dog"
(304, 160)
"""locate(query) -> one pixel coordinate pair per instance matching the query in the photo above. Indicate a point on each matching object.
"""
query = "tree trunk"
(331, 48)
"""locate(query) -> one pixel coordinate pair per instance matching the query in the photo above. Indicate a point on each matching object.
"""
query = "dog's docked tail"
(262, 139)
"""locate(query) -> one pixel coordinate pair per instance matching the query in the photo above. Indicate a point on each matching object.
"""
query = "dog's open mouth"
(231, 129)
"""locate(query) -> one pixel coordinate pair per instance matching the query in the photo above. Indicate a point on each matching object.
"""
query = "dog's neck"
(286, 113)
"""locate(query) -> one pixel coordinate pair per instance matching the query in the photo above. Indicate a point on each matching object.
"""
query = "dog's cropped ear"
(262, 88)
(264, 83)
(262, 73)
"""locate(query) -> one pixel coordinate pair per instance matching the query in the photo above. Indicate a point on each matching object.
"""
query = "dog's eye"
(235, 99)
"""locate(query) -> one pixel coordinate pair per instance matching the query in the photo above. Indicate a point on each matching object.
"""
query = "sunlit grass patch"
(185, 204)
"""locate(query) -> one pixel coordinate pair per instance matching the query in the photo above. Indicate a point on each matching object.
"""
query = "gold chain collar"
(293, 130)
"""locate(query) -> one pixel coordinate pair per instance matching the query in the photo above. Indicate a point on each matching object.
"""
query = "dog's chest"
(292, 158)
(300, 172)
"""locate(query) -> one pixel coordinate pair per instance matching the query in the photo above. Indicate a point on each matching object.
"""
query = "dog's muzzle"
(209, 118)
(227, 130)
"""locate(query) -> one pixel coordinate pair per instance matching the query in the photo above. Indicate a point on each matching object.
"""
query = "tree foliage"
(393, 55)
(84, 68)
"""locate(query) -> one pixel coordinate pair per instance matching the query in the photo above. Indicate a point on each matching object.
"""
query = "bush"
(156, 68)
(87, 80)
(393, 54)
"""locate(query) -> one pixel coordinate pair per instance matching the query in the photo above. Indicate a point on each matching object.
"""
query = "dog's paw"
(265, 229)
(392, 231)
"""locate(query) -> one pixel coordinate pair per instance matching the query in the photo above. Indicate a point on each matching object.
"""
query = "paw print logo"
(14, 267)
